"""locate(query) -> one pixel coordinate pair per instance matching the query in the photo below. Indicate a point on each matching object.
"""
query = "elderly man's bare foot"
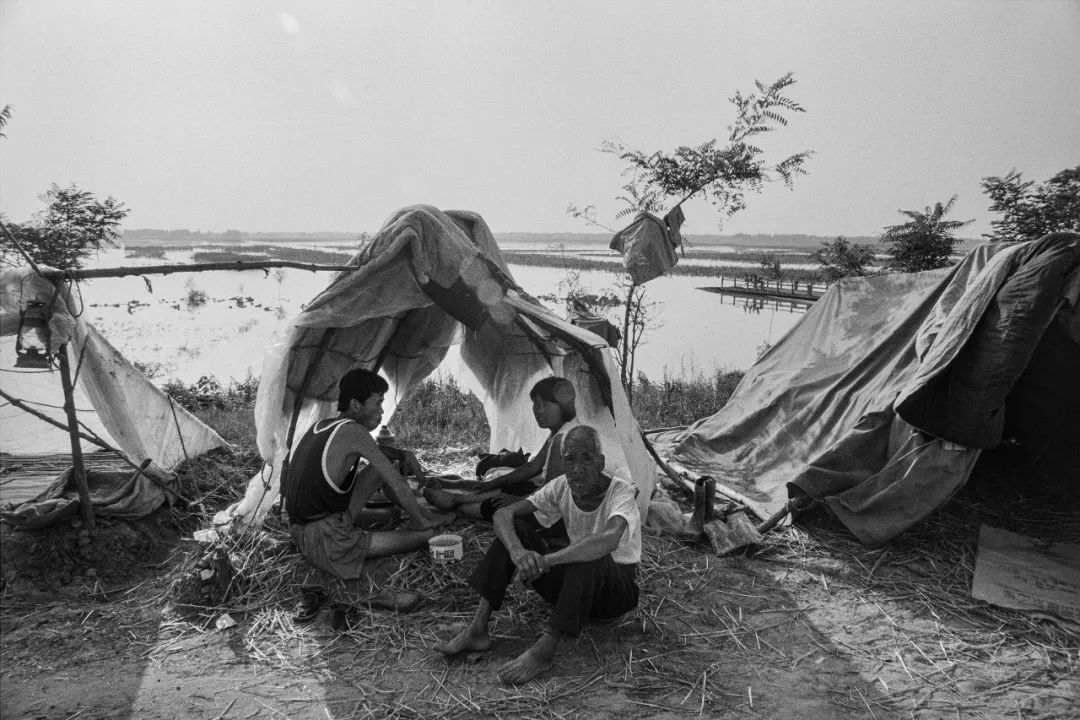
(532, 662)
(523, 668)
(439, 498)
(471, 638)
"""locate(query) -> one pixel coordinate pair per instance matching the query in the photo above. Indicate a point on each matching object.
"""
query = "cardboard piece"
(1024, 573)
(727, 537)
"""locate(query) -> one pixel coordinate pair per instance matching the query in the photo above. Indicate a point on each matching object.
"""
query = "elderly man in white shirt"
(594, 577)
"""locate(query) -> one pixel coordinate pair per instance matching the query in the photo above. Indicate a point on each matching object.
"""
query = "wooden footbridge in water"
(756, 292)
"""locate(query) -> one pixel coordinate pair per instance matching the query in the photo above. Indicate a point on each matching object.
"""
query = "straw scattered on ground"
(894, 630)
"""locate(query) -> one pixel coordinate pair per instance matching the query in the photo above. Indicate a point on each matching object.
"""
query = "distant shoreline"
(148, 236)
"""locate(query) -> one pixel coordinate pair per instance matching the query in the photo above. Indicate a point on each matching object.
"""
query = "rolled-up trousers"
(597, 589)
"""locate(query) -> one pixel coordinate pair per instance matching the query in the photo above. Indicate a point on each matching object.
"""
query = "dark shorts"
(333, 544)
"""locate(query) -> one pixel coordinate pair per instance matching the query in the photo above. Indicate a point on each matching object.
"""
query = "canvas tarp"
(818, 412)
(426, 281)
(113, 399)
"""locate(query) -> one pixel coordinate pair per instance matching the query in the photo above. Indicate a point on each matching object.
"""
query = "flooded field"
(244, 313)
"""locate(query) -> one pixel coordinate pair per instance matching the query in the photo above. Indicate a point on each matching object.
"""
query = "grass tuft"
(683, 400)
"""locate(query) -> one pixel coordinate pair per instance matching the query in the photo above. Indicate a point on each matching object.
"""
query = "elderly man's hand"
(530, 563)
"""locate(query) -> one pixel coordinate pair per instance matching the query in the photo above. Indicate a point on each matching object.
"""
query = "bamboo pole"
(660, 462)
(85, 508)
(95, 440)
(42, 416)
(56, 275)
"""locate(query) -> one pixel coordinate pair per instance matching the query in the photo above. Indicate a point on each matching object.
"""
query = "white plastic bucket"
(445, 548)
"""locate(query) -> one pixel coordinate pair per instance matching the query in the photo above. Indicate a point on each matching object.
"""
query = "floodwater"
(245, 313)
(694, 331)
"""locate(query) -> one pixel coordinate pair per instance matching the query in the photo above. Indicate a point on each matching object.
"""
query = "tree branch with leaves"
(73, 224)
(926, 241)
(841, 258)
(722, 173)
(1029, 210)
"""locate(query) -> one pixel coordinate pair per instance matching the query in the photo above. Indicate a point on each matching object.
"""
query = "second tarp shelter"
(880, 400)
(115, 402)
(426, 281)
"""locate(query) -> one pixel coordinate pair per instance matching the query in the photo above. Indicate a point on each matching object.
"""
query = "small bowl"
(445, 548)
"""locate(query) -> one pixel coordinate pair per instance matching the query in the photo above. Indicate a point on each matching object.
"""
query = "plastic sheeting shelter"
(880, 400)
(112, 398)
(428, 280)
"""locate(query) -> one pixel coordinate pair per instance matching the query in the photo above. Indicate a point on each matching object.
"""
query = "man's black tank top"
(310, 494)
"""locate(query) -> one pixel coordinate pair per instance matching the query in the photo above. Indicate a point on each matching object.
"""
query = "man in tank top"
(333, 472)
(594, 577)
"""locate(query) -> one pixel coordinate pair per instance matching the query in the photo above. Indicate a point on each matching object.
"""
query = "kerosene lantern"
(32, 342)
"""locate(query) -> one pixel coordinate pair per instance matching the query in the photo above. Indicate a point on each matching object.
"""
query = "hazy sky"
(262, 115)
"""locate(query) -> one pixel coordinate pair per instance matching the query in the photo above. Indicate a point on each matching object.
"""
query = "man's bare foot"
(530, 663)
(470, 638)
(523, 668)
(440, 499)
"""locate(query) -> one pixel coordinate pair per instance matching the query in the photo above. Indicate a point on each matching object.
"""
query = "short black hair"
(359, 384)
(559, 391)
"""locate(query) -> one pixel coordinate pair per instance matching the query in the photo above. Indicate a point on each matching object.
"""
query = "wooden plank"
(24, 476)
(1024, 573)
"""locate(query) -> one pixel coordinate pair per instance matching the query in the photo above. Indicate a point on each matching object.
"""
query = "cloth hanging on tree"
(648, 244)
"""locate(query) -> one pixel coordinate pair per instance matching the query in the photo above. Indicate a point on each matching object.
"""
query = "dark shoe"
(343, 617)
(312, 598)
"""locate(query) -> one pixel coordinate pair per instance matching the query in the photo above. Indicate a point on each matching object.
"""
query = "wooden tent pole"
(58, 275)
(660, 462)
(85, 508)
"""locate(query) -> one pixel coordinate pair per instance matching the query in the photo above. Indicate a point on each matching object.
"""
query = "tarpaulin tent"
(428, 280)
(880, 400)
(113, 400)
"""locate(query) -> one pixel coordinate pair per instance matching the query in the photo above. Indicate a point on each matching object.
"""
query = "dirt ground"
(801, 628)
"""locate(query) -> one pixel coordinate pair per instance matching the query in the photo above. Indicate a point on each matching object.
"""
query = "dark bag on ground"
(503, 458)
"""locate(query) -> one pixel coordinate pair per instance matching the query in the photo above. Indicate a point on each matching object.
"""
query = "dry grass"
(399, 675)
(703, 626)
(701, 621)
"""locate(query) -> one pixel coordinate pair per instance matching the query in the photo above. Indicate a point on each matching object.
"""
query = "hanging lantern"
(32, 342)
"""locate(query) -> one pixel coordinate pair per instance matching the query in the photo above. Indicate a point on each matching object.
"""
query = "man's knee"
(369, 477)
(587, 568)
(497, 549)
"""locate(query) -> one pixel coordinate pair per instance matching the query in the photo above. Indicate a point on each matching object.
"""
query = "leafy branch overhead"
(73, 224)
(724, 174)
(5, 116)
